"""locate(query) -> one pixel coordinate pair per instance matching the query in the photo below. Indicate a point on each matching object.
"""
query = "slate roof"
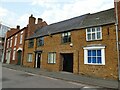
(83, 21)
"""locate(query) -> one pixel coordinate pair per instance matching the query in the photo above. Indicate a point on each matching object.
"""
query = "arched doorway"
(19, 56)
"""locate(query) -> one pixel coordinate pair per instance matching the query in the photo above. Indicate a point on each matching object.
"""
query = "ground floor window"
(29, 57)
(94, 55)
(52, 57)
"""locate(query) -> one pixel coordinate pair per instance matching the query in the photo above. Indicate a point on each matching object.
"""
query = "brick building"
(84, 45)
(15, 38)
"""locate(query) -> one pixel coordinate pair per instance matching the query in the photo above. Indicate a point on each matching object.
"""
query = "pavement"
(105, 83)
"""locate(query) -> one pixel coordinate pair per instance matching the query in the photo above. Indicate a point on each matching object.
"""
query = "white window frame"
(11, 41)
(102, 48)
(8, 43)
(21, 37)
(93, 33)
(29, 57)
(52, 57)
(15, 43)
(14, 52)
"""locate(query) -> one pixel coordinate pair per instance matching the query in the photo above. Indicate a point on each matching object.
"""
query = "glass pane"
(89, 59)
(88, 30)
(69, 34)
(89, 36)
(93, 29)
(93, 36)
(54, 57)
(62, 34)
(93, 59)
(99, 60)
(98, 35)
(98, 52)
(93, 52)
(66, 34)
(89, 53)
(98, 28)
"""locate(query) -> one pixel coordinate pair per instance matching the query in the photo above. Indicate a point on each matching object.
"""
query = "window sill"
(94, 40)
(93, 64)
(29, 62)
(51, 63)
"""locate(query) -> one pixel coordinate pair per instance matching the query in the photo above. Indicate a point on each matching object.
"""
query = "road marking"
(49, 77)
(76, 83)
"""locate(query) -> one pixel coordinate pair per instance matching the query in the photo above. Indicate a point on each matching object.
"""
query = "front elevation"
(87, 49)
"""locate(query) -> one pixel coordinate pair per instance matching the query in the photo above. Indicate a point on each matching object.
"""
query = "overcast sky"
(17, 12)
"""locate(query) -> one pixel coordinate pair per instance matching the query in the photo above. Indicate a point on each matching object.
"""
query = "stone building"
(84, 45)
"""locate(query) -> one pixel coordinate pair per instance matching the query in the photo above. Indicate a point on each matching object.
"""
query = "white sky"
(17, 12)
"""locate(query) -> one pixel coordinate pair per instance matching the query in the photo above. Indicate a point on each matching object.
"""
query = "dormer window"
(94, 33)
(66, 37)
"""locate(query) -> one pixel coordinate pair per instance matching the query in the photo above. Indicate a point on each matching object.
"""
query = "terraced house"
(84, 45)
(15, 39)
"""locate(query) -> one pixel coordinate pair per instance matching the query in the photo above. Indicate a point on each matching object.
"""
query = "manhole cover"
(25, 75)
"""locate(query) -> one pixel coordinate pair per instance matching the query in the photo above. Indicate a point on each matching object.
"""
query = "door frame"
(37, 52)
(62, 60)
(36, 61)
(19, 51)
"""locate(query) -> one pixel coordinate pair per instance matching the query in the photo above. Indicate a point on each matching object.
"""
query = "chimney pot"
(18, 27)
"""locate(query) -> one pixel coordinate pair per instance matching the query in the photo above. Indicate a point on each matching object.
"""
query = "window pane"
(98, 52)
(98, 28)
(98, 35)
(93, 29)
(99, 60)
(89, 36)
(89, 53)
(89, 59)
(62, 34)
(93, 36)
(88, 30)
(54, 58)
(93, 59)
(93, 52)
(69, 33)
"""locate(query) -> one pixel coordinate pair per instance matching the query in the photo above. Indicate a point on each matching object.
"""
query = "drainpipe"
(117, 41)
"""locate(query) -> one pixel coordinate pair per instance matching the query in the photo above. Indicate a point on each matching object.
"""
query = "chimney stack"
(32, 19)
(39, 21)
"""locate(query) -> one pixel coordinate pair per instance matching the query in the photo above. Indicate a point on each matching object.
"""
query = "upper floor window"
(94, 33)
(31, 43)
(8, 43)
(14, 52)
(15, 40)
(21, 37)
(11, 42)
(66, 37)
(40, 41)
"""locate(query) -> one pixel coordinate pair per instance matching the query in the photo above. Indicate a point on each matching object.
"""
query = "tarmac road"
(19, 79)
